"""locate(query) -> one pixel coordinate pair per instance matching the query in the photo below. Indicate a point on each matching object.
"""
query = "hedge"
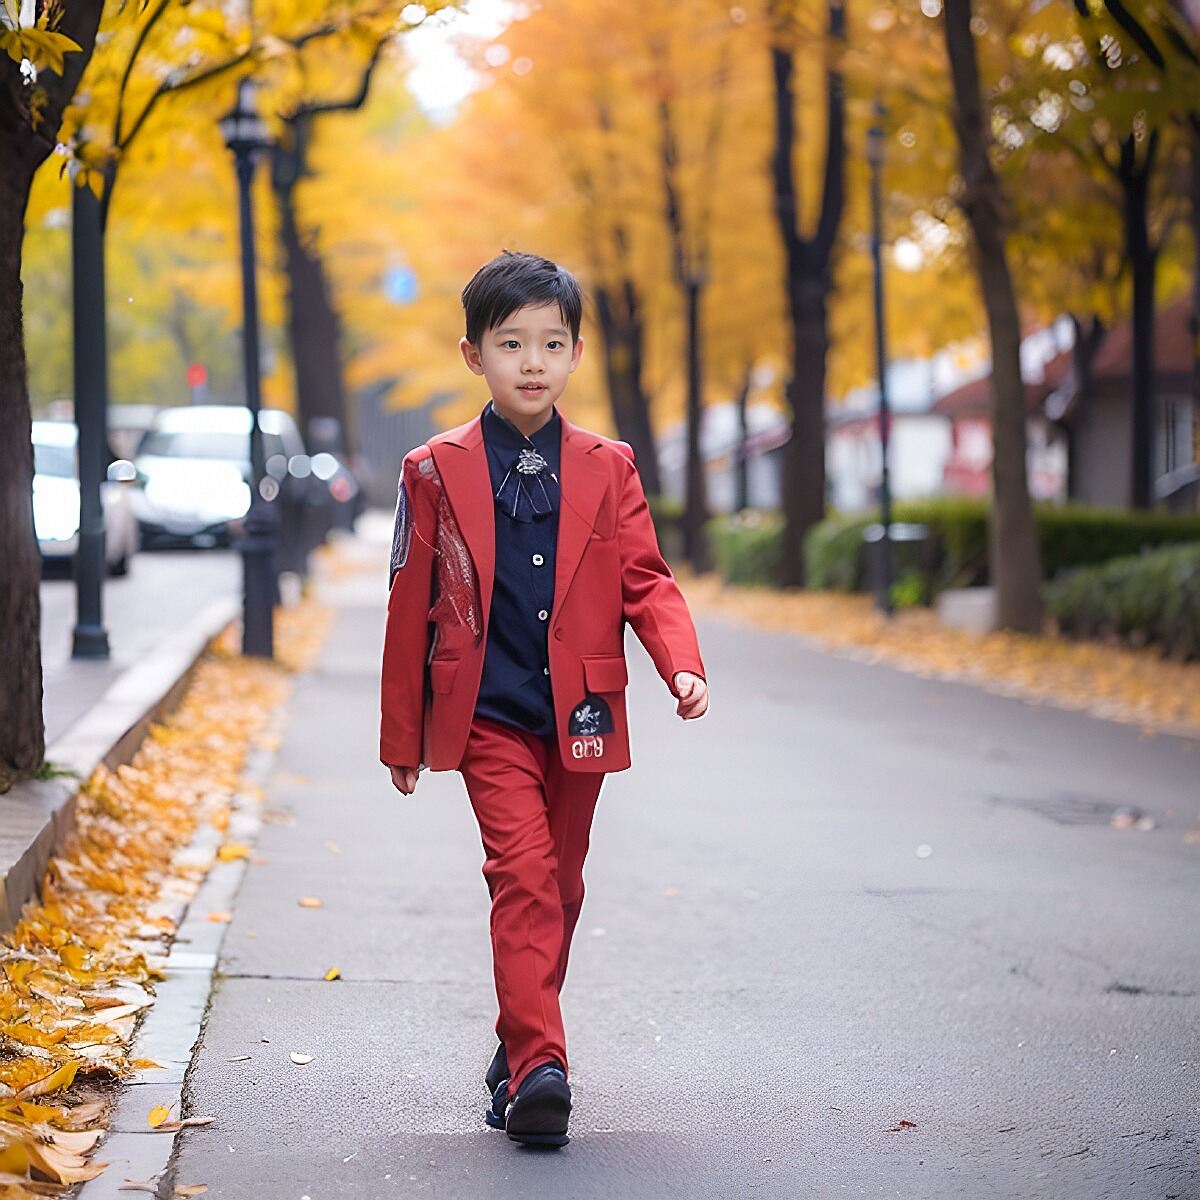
(745, 547)
(1070, 536)
(1152, 597)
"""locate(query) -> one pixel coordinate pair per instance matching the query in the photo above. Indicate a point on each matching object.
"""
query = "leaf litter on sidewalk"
(79, 969)
(1138, 687)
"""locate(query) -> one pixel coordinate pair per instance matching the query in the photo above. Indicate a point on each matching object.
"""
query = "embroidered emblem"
(401, 532)
(587, 747)
(591, 716)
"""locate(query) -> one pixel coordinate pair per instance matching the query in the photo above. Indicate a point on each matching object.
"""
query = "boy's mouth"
(532, 388)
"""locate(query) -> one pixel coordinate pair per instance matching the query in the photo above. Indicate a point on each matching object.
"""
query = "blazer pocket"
(607, 674)
(441, 675)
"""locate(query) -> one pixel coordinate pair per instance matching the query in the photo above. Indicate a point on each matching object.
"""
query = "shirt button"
(538, 560)
(545, 670)
(543, 615)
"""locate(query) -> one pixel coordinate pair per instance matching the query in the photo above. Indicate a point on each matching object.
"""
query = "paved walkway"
(853, 933)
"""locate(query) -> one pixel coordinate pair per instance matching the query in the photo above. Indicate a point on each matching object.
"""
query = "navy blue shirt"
(515, 688)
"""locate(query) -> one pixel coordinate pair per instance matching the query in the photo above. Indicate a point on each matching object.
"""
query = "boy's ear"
(470, 353)
(576, 353)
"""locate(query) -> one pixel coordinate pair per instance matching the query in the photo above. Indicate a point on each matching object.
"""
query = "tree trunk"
(1013, 551)
(22, 150)
(741, 461)
(1194, 189)
(1143, 264)
(695, 513)
(1087, 343)
(22, 734)
(808, 282)
(619, 313)
(313, 323)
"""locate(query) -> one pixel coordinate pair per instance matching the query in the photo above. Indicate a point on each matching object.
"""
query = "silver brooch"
(530, 462)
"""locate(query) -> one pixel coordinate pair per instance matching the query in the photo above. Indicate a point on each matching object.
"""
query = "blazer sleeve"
(406, 634)
(653, 603)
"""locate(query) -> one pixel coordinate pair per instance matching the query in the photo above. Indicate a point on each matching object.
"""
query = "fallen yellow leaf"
(223, 917)
(309, 902)
(232, 850)
(158, 1114)
(333, 973)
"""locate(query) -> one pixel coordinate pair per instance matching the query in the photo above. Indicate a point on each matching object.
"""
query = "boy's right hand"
(404, 779)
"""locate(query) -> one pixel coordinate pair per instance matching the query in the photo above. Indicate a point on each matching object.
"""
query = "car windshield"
(54, 460)
(230, 447)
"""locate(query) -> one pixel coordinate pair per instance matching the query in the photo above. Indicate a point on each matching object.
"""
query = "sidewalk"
(159, 618)
(855, 932)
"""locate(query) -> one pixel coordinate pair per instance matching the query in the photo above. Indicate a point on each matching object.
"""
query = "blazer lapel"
(462, 463)
(582, 484)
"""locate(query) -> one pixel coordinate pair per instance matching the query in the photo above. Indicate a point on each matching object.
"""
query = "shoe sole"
(544, 1141)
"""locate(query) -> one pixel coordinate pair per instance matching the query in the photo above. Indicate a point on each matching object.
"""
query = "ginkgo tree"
(154, 56)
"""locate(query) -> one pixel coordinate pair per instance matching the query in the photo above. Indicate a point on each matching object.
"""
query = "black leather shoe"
(496, 1081)
(537, 1115)
(497, 1070)
(495, 1115)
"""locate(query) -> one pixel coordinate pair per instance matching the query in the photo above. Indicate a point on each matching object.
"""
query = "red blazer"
(608, 571)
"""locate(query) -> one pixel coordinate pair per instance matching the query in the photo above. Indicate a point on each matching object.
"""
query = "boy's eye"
(554, 345)
(511, 344)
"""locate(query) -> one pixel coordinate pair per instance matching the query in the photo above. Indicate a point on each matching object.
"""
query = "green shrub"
(667, 515)
(833, 558)
(1074, 535)
(1152, 597)
(957, 553)
(745, 546)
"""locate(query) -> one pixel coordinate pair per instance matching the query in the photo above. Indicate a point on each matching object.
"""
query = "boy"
(522, 546)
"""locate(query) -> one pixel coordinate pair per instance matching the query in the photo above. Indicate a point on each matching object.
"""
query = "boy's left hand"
(692, 693)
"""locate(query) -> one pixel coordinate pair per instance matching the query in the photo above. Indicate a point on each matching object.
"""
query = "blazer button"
(538, 560)
(543, 615)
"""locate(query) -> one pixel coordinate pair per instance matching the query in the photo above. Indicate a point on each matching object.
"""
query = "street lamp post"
(90, 638)
(246, 135)
(875, 156)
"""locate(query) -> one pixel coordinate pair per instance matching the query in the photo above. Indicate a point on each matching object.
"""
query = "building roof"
(974, 399)
(1172, 344)
(1173, 355)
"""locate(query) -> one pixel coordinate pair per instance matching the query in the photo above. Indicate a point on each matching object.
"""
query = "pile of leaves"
(80, 968)
(1123, 684)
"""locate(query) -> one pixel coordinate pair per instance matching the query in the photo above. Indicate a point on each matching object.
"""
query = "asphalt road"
(853, 933)
(161, 593)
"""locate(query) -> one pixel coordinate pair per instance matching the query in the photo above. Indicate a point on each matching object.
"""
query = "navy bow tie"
(529, 488)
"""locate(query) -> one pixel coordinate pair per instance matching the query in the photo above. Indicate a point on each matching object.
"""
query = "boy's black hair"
(511, 281)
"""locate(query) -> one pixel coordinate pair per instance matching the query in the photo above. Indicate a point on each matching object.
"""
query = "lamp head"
(244, 130)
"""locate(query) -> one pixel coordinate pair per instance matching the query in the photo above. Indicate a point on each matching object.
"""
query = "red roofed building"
(1089, 424)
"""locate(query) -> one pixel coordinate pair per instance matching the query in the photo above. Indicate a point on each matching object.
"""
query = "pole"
(885, 415)
(259, 537)
(90, 638)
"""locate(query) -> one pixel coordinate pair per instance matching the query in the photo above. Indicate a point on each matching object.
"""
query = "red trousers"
(534, 819)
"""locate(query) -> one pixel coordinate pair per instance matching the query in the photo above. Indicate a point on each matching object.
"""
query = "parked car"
(56, 500)
(127, 424)
(194, 462)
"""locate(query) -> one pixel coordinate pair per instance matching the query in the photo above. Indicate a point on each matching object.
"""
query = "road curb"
(174, 1024)
(37, 816)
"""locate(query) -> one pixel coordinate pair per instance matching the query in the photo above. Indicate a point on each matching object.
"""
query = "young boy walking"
(522, 547)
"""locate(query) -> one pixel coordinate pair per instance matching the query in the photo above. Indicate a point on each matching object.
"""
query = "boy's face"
(526, 360)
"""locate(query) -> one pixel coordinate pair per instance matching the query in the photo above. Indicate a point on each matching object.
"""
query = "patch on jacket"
(590, 717)
(401, 532)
